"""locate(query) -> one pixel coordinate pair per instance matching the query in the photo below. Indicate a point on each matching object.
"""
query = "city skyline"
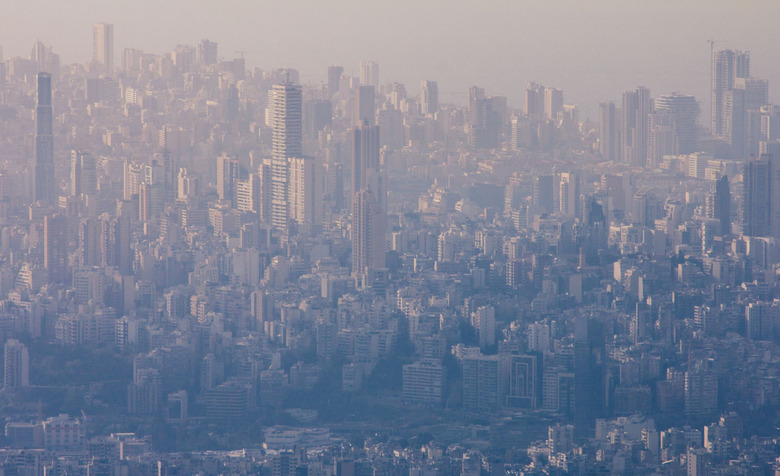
(563, 44)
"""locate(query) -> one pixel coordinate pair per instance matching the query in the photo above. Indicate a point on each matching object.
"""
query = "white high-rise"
(285, 107)
(369, 74)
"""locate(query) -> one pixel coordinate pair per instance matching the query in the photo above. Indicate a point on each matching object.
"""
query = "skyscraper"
(608, 134)
(83, 174)
(334, 79)
(369, 74)
(365, 105)
(761, 196)
(636, 107)
(553, 102)
(365, 156)
(684, 113)
(429, 97)
(305, 191)
(55, 247)
(103, 46)
(207, 52)
(286, 121)
(368, 234)
(228, 175)
(722, 205)
(727, 65)
(16, 365)
(43, 179)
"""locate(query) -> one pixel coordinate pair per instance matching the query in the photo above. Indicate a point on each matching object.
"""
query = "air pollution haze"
(591, 50)
(402, 238)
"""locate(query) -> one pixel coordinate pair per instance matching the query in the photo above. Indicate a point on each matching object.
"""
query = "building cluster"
(447, 289)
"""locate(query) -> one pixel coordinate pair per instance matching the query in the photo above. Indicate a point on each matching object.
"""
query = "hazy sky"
(592, 50)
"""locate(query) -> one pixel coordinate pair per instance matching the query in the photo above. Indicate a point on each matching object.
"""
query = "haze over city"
(589, 49)
(389, 238)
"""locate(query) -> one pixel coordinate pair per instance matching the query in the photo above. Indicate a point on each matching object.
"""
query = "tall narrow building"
(368, 234)
(43, 179)
(286, 122)
(365, 155)
(608, 134)
(637, 105)
(727, 65)
(16, 364)
(55, 247)
(429, 97)
(103, 46)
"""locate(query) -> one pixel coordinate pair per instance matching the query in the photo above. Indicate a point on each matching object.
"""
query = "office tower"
(661, 139)
(83, 174)
(684, 113)
(733, 121)
(207, 52)
(43, 179)
(722, 204)
(45, 60)
(429, 97)
(368, 234)
(759, 318)
(317, 115)
(305, 191)
(485, 117)
(369, 74)
(589, 358)
(228, 175)
(55, 247)
(544, 193)
(608, 133)
(760, 212)
(365, 156)
(286, 118)
(569, 194)
(103, 46)
(553, 103)
(16, 365)
(334, 79)
(534, 101)
(727, 65)
(89, 243)
(636, 107)
(365, 107)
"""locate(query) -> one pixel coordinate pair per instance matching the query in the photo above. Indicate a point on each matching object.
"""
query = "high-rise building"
(636, 107)
(286, 122)
(103, 46)
(228, 175)
(727, 65)
(207, 52)
(722, 204)
(365, 155)
(589, 358)
(334, 79)
(608, 132)
(305, 191)
(83, 174)
(684, 113)
(429, 97)
(16, 364)
(365, 105)
(368, 234)
(369, 74)
(55, 247)
(534, 101)
(569, 194)
(761, 194)
(43, 179)
(553, 103)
